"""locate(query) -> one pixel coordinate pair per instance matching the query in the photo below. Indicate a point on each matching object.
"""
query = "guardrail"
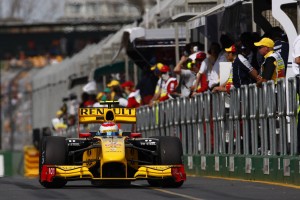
(249, 134)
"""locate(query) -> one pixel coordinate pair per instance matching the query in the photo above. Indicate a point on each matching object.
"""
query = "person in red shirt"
(168, 91)
(202, 86)
(134, 97)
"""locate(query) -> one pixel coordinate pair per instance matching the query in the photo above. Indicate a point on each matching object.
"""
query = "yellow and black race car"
(109, 156)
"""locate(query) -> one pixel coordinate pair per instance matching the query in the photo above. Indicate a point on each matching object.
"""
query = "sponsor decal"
(101, 111)
(113, 144)
(148, 142)
(73, 144)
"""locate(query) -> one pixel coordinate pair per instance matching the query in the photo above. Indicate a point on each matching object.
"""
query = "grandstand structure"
(82, 22)
(30, 45)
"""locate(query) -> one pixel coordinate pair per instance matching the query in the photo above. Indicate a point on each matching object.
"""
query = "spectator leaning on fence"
(243, 72)
(231, 54)
(202, 86)
(214, 72)
(273, 66)
(168, 89)
(188, 75)
(280, 44)
(133, 95)
(208, 63)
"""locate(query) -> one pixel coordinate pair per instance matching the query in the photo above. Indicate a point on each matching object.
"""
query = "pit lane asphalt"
(195, 188)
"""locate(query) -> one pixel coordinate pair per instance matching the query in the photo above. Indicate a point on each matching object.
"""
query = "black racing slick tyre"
(53, 151)
(169, 152)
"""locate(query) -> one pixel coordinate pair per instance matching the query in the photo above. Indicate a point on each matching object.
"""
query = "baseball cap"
(113, 83)
(59, 113)
(201, 56)
(157, 65)
(265, 42)
(165, 68)
(127, 84)
(231, 49)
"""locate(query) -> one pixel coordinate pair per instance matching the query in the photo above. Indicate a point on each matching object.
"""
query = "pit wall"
(278, 169)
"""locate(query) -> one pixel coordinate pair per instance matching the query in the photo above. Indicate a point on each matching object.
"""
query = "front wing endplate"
(144, 172)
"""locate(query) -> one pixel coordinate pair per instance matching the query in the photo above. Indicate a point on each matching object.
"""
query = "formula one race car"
(109, 156)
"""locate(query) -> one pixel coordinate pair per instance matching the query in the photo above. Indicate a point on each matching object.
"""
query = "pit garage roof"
(199, 20)
(184, 17)
(153, 34)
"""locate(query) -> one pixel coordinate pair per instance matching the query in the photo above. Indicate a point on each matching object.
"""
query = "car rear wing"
(103, 114)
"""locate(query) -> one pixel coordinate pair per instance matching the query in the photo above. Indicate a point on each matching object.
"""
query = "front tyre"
(53, 151)
(169, 151)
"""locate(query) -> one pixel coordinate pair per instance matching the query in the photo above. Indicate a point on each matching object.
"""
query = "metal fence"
(249, 121)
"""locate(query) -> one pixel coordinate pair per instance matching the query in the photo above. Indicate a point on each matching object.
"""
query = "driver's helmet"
(109, 129)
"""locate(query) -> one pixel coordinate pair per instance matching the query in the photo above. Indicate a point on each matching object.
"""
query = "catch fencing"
(250, 121)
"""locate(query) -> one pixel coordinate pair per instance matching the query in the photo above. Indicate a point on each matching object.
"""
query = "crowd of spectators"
(252, 60)
(33, 55)
(36, 53)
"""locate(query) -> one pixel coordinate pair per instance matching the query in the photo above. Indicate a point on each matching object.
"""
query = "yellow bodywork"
(109, 153)
(112, 150)
(143, 172)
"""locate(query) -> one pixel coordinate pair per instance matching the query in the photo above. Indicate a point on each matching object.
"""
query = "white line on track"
(172, 193)
(176, 194)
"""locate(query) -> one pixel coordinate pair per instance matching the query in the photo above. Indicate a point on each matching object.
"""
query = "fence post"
(281, 107)
(292, 113)
(244, 118)
(271, 114)
(253, 97)
(207, 116)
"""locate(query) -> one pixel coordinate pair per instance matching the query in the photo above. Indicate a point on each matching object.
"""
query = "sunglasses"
(260, 47)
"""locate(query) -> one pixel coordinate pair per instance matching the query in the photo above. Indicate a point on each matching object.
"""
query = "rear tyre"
(169, 151)
(53, 151)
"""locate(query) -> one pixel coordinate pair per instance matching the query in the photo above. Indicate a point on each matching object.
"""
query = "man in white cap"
(187, 69)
